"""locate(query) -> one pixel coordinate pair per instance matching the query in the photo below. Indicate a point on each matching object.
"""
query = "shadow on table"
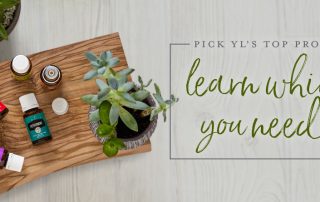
(7, 50)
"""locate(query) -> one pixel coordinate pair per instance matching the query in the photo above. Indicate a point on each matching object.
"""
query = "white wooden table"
(147, 27)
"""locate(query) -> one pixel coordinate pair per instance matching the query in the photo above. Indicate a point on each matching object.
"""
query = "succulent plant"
(4, 6)
(117, 94)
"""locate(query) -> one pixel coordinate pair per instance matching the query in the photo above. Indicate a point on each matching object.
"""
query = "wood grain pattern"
(73, 142)
(147, 27)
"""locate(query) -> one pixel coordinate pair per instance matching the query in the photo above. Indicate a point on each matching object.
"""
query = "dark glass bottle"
(51, 76)
(34, 120)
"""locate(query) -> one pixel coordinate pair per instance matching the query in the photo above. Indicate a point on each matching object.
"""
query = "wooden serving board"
(73, 142)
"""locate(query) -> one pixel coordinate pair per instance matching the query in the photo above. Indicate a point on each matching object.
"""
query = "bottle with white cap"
(35, 119)
(21, 68)
(10, 161)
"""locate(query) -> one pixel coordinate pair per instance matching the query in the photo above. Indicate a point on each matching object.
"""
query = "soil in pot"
(8, 16)
(124, 132)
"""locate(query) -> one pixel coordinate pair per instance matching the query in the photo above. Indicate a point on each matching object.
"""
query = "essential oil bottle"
(21, 68)
(51, 76)
(3, 110)
(10, 161)
(34, 119)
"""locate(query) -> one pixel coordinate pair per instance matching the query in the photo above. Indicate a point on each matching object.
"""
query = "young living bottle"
(21, 68)
(3, 110)
(10, 161)
(51, 76)
(34, 120)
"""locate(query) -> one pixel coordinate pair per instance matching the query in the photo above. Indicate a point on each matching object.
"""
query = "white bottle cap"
(15, 162)
(28, 101)
(21, 64)
(60, 106)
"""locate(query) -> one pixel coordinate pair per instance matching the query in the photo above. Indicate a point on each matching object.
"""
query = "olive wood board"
(73, 142)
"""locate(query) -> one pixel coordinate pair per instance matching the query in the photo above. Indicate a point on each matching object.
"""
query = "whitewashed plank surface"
(147, 27)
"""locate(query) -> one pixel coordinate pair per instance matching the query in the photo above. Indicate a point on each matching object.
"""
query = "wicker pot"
(130, 143)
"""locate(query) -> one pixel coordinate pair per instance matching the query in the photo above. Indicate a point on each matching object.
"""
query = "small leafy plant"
(4, 6)
(117, 94)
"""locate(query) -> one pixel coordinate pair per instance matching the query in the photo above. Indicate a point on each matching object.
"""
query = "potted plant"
(9, 15)
(123, 114)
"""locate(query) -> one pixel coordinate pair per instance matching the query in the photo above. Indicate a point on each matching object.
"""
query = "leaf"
(104, 130)
(158, 98)
(137, 105)
(103, 93)
(87, 98)
(127, 97)
(101, 84)
(110, 149)
(113, 62)
(154, 113)
(104, 111)
(91, 74)
(126, 87)
(3, 33)
(95, 64)
(114, 114)
(91, 56)
(113, 83)
(94, 116)
(106, 55)
(101, 70)
(125, 72)
(8, 3)
(140, 95)
(164, 113)
(128, 119)
(118, 143)
(157, 89)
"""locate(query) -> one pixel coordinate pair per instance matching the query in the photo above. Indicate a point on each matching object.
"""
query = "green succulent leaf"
(106, 55)
(112, 147)
(94, 116)
(140, 95)
(101, 84)
(90, 74)
(105, 130)
(95, 64)
(113, 83)
(104, 111)
(127, 97)
(126, 87)
(87, 98)
(125, 72)
(91, 56)
(3, 32)
(101, 71)
(128, 119)
(136, 105)
(114, 114)
(112, 62)
(154, 113)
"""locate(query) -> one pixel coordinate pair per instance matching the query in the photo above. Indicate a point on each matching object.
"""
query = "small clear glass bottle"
(35, 120)
(10, 161)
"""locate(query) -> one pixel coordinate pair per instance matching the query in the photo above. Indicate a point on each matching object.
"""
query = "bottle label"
(2, 107)
(37, 126)
(15, 162)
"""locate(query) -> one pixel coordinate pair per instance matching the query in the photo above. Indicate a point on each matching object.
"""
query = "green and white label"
(37, 126)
